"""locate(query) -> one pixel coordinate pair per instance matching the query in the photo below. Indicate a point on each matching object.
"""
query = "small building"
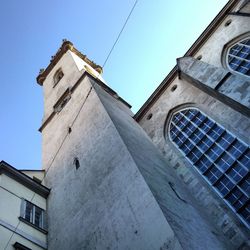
(23, 198)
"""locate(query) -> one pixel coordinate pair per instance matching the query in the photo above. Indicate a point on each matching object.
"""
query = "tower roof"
(66, 45)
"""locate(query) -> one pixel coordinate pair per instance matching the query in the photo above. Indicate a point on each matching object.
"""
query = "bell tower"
(93, 157)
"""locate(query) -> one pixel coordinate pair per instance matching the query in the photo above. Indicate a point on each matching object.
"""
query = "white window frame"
(24, 204)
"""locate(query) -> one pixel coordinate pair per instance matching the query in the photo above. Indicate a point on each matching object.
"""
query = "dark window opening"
(57, 77)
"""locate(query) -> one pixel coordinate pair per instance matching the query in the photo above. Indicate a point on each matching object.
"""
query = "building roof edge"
(191, 51)
(66, 45)
(23, 179)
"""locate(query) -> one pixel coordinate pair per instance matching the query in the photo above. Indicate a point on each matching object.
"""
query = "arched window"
(221, 158)
(58, 76)
(238, 57)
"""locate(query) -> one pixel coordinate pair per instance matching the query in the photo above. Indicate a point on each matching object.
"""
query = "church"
(175, 175)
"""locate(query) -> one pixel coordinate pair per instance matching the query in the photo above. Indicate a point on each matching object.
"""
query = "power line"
(110, 52)
(118, 37)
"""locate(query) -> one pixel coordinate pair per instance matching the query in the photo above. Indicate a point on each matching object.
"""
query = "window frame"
(19, 246)
(32, 220)
(214, 162)
(226, 49)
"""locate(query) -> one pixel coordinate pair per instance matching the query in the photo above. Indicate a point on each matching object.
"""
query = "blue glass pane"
(245, 185)
(224, 185)
(237, 149)
(189, 129)
(182, 123)
(242, 69)
(187, 147)
(198, 119)
(245, 213)
(238, 58)
(205, 143)
(203, 164)
(173, 132)
(179, 140)
(234, 64)
(206, 125)
(197, 136)
(237, 172)
(191, 113)
(214, 152)
(176, 118)
(235, 49)
(247, 41)
(215, 132)
(225, 140)
(245, 159)
(234, 195)
(213, 174)
(194, 155)
(240, 202)
(225, 162)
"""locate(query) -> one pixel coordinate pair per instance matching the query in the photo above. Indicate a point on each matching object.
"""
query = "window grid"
(239, 57)
(222, 159)
(33, 214)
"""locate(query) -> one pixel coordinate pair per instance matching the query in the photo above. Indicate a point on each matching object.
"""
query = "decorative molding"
(66, 45)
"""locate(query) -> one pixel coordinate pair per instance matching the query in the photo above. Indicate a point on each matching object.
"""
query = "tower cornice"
(66, 45)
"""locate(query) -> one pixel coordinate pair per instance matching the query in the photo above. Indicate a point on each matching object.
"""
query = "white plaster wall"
(5, 235)
(10, 211)
(38, 174)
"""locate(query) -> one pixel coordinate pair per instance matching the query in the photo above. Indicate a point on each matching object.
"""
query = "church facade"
(173, 176)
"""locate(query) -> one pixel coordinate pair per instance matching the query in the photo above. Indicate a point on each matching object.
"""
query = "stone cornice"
(66, 45)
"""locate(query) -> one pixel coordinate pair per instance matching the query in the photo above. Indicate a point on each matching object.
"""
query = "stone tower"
(99, 199)
(110, 187)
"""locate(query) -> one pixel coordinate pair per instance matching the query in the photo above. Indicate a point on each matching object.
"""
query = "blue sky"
(157, 33)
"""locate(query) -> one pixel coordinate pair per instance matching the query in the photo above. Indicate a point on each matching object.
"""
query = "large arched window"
(221, 158)
(238, 57)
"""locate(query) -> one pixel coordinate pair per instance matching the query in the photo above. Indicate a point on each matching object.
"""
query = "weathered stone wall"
(52, 93)
(186, 95)
(189, 223)
(105, 203)
(231, 89)
(212, 50)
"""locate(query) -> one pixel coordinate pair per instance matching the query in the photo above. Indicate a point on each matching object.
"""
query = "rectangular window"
(33, 214)
(18, 246)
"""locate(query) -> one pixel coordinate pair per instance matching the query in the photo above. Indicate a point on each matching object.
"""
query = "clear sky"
(157, 33)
